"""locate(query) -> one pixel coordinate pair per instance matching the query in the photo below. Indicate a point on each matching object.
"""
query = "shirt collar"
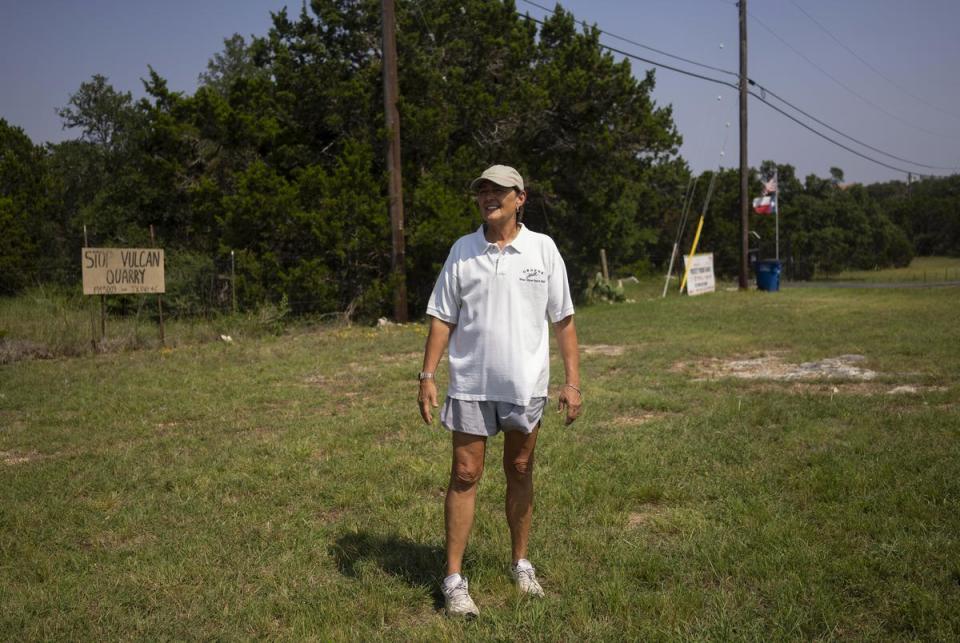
(520, 242)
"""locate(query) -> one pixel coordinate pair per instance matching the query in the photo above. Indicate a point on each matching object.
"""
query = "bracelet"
(579, 392)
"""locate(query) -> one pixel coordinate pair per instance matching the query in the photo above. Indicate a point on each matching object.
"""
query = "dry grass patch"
(316, 380)
(263, 434)
(841, 388)
(608, 350)
(392, 437)
(818, 388)
(402, 358)
(660, 521)
(11, 458)
(331, 515)
(636, 419)
(115, 541)
(14, 350)
(644, 515)
(910, 389)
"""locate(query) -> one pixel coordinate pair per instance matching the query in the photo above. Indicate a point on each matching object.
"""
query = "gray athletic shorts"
(489, 418)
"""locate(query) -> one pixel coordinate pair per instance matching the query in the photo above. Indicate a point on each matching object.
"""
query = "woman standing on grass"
(492, 305)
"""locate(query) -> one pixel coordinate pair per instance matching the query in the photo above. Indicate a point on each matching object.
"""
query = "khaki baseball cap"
(501, 175)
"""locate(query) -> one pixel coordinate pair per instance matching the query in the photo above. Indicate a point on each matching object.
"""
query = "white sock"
(523, 563)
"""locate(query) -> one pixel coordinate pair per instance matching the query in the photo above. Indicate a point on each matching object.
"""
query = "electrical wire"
(827, 138)
(844, 86)
(847, 136)
(869, 66)
(643, 46)
(767, 103)
(426, 25)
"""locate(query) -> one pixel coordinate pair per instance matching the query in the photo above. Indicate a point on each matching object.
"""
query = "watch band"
(424, 375)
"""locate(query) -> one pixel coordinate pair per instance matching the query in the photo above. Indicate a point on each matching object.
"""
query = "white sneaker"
(525, 577)
(457, 597)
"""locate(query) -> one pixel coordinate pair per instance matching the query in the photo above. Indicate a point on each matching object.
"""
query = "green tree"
(237, 61)
(927, 210)
(823, 228)
(279, 155)
(481, 86)
(22, 205)
(103, 115)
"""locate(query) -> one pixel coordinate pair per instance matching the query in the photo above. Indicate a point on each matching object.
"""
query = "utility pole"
(744, 166)
(390, 95)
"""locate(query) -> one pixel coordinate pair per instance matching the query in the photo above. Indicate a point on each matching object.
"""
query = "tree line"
(278, 157)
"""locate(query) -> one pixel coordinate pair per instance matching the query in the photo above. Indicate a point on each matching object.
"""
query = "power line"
(871, 67)
(762, 99)
(827, 138)
(844, 86)
(643, 46)
(648, 60)
(846, 136)
(426, 25)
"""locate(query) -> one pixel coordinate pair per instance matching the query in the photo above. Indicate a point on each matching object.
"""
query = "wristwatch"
(424, 375)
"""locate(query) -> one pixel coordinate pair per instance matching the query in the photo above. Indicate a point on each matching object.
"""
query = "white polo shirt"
(501, 302)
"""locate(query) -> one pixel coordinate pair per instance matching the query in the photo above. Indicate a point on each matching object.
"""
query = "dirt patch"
(636, 419)
(644, 515)
(11, 458)
(166, 428)
(773, 367)
(908, 389)
(328, 516)
(394, 437)
(602, 349)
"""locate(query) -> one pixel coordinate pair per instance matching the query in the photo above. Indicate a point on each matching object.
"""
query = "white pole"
(666, 284)
(776, 220)
(688, 199)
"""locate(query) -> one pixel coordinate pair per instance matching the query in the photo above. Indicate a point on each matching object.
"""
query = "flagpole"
(776, 220)
(687, 201)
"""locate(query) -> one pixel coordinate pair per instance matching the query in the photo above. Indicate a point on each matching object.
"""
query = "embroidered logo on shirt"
(533, 275)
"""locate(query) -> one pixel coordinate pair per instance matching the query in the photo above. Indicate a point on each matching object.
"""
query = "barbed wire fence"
(204, 297)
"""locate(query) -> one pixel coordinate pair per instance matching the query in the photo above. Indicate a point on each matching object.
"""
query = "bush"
(601, 290)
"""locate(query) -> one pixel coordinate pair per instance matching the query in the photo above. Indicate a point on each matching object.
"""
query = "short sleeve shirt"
(501, 302)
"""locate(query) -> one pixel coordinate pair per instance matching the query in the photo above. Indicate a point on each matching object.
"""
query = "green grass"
(60, 322)
(284, 487)
(927, 269)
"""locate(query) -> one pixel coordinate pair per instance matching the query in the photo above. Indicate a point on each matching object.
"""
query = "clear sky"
(898, 91)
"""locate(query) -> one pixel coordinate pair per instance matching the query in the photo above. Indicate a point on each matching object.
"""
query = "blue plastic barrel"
(768, 275)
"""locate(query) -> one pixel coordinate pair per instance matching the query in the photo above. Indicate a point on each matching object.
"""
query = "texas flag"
(769, 187)
(765, 205)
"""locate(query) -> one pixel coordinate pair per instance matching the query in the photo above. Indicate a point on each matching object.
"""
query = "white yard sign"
(122, 271)
(700, 278)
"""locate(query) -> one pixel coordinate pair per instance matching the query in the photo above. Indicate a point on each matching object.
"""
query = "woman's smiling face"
(498, 204)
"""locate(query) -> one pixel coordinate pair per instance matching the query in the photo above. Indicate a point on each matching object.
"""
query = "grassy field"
(284, 487)
(50, 322)
(929, 269)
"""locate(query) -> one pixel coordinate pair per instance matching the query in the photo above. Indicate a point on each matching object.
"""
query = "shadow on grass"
(416, 564)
